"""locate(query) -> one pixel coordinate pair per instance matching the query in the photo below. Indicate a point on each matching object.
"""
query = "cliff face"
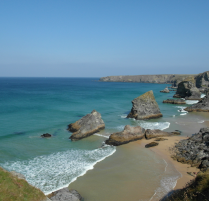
(161, 79)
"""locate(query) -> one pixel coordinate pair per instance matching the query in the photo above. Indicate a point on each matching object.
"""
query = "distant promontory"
(174, 79)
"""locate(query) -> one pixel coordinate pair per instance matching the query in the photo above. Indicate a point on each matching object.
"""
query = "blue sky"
(95, 38)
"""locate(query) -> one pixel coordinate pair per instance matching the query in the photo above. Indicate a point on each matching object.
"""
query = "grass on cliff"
(14, 189)
(196, 190)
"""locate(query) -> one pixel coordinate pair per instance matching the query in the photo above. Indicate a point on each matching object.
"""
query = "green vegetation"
(196, 190)
(14, 189)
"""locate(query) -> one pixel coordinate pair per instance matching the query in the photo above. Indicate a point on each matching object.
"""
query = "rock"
(46, 135)
(187, 89)
(202, 79)
(176, 132)
(160, 139)
(145, 107)
(66, 195)
(127, 135)
(166, 90)
(151, 144)
(156, 133)
(86, 126)
(46, 199)
(194, 150)
(174, 101)
(18, 175)
(201, 106)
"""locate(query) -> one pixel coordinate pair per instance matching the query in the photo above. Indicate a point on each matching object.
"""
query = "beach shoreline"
(164, 151)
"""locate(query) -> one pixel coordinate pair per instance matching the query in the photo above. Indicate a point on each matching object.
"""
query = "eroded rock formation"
(195, 150)
(86, 126)
(145, 107)
(201, 106)
(127, 135)
(187, 89)
(66, 195)
(149, 134)
(166, 90)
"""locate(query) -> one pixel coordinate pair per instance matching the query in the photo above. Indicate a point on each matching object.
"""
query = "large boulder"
(202, 80)
(201, 106)
(86, 126)
(149, 134)
(195, 150)
(187, 89)
(166, 90)
(174, 101)
(66, 195)
(145, 107)
(127, 135)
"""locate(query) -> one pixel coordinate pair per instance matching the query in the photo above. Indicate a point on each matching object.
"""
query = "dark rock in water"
(46, 135)
(145, 107)
(151, 144)
(86, 126)
(166, 90)
(195, 150)
(201, 106)
(127, 135)
(66, 195)
(160, 139)
(174, 101)
(187, 89)
(202, 79)
(157, 133)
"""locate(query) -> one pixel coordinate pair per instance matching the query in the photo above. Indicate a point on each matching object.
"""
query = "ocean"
(30, 107)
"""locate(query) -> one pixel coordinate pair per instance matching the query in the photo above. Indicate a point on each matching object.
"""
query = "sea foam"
(58, 170)
(154, 125)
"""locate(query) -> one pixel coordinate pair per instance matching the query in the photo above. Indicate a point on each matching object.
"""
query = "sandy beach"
(164, 150)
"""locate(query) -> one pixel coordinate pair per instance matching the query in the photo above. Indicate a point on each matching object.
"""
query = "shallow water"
(33, 106)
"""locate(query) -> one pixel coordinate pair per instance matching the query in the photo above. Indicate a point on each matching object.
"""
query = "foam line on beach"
(58, 170)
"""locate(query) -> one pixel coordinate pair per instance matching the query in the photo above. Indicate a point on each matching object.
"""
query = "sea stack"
(187, 89)
(127, 135)
(145, 107)
(86, 126)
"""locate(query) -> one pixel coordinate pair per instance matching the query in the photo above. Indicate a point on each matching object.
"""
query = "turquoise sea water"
(30, 107)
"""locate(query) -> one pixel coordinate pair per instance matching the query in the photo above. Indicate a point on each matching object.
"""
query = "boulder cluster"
(174, 101)
(130, 134)
(194, 150)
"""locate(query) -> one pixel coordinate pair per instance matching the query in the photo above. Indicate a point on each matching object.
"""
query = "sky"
(97, 38)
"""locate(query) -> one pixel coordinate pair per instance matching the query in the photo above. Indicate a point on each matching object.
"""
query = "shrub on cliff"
(195, 190)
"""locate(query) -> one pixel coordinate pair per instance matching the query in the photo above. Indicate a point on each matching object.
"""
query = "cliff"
(161, 79)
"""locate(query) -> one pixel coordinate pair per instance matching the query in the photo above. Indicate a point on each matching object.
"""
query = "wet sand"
(163, 150)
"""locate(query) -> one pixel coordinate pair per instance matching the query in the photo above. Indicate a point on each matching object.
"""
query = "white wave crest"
(123, 116)
(154, 125)
(190, 102)
(101, 135)
(202, 95)
(58, 170)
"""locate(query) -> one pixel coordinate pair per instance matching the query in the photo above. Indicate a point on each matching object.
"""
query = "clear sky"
(95, 38)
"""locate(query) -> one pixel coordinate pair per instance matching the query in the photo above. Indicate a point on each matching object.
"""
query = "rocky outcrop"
(151, 144)
(149, 134)
(160, 79)
(166, 90)
(201, 106)
(195, 150)
(46, 135)
(187, 89)
(174, 101)
(145, 107)
(66, 195)
(86, 126)
(127, 135)
(202, 79)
